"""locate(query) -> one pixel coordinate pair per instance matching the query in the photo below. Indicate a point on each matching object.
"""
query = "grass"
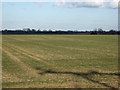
(60, 61)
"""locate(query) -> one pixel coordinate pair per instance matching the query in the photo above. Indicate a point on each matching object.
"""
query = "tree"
(26, 29)
(33, 30)
(100, 31)
(94, 32)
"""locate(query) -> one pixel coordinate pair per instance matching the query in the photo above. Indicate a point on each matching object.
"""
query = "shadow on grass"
(85, 76)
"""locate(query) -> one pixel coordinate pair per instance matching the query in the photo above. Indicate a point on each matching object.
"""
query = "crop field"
(60, 61)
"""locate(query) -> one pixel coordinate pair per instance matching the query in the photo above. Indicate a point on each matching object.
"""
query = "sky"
(59, 16)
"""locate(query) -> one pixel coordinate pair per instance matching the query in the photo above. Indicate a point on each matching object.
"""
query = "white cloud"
(76, 3)
(59, 3)
(88, 3)
(114, 4)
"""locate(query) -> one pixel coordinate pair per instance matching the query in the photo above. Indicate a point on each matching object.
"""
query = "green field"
(60, 61)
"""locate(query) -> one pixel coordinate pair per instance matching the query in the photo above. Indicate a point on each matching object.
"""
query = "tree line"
(98, 31)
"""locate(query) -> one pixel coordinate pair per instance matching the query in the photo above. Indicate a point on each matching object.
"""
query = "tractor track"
(33, 56)
(19, 62)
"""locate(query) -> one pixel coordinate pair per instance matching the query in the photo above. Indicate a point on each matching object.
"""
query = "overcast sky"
(64, 16)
